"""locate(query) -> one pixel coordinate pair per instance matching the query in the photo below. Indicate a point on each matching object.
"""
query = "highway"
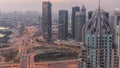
(27, 42)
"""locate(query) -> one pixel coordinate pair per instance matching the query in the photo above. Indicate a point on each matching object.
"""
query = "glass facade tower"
(47, 20)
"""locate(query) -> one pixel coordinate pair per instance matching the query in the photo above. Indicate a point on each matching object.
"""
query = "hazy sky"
(24, 5)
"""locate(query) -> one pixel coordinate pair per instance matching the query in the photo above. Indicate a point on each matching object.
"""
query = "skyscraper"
(117, 38)
(106, 14)
(100, 47)
(116, 17)
(47, 20)
(22, 29)
(80, 20)
(39, 26)
(90, 13)
(117, 31)
(63, 25)
(74, 10)
(115, 21)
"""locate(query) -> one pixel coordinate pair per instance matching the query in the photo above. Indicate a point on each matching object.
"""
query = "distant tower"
(117, 40)
(74, 10)
(63, 25)
(115, 21)
(39, 26)
(99, 39)
(106, 14)
(22, 29)
(47, 20)
(117, 17)
(80, 21)
(90, 13)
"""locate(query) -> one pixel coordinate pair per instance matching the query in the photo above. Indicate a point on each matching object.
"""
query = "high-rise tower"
(39, 26)
(117, 17)
(90, 13)
(22, 29)
(80, 20)
(74, 10)
(101, 52)
(47, 20)
(63, 25)
(117, 40)
(117, 31)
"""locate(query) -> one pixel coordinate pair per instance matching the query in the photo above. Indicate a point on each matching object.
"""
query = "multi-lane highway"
(27, 42)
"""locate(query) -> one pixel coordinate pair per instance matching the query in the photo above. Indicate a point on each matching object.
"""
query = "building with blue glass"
(63, 25)
(74, 11)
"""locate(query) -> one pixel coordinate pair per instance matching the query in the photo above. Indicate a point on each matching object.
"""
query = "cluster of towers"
(97, 31)
(78, 19)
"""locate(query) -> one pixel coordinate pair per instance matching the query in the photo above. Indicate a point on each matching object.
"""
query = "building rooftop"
(99, 23)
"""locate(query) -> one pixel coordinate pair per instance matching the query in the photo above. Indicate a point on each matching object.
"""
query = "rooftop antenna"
(99, 6)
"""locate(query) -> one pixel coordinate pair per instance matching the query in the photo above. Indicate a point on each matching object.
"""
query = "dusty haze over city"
(35, 5)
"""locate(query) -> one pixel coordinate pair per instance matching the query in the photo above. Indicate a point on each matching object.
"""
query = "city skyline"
(82, 32)
(35, 5)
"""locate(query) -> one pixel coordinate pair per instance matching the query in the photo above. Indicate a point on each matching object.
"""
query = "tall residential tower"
(63, 25)
(101, 52)
(74, 10)
(117, 31)
(47, 20)
(80, 20)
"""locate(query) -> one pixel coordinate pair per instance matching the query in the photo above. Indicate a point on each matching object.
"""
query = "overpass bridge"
(25, 43)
